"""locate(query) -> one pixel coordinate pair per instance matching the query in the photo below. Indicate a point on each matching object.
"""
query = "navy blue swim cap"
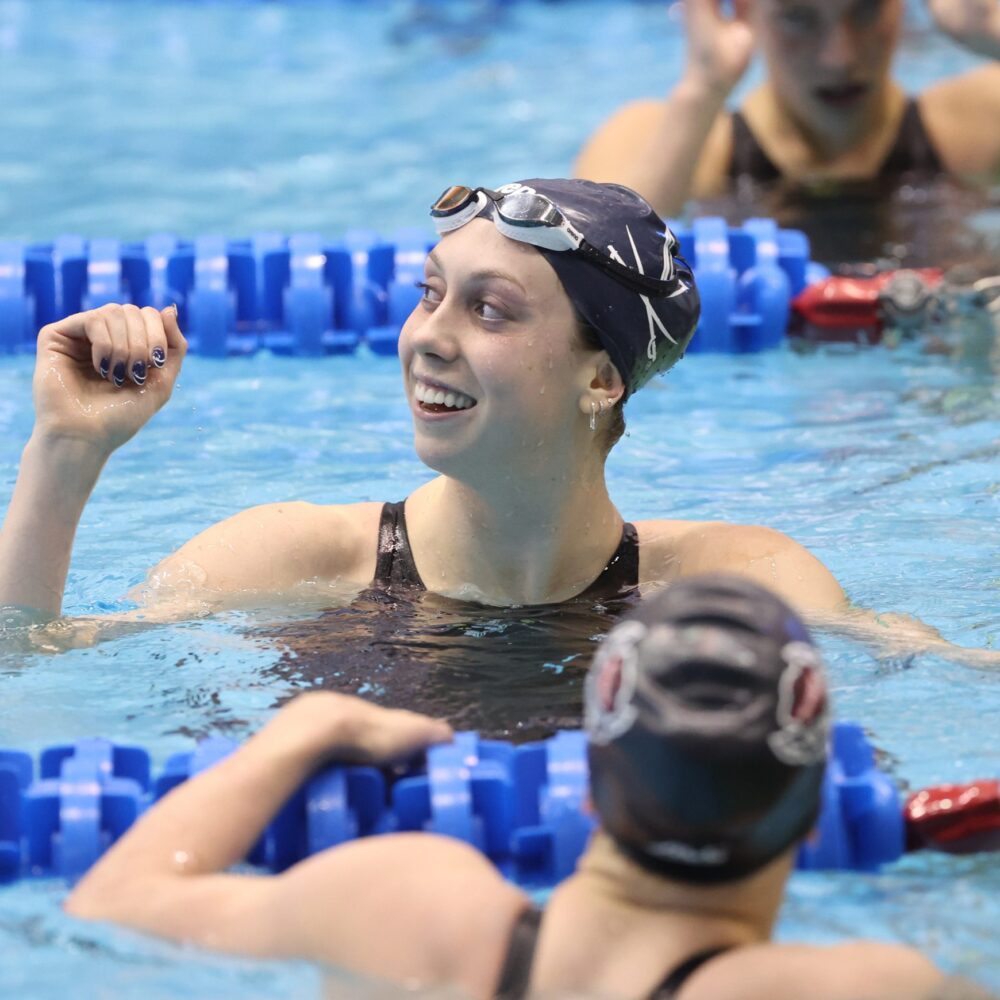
(644, 334)
(708, 723)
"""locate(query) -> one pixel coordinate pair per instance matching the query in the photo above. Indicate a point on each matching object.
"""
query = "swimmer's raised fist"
(101, 374)
(974, 24)
(720, 46)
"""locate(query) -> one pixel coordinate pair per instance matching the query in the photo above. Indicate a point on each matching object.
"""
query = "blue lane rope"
(524, 807)
(307, 295)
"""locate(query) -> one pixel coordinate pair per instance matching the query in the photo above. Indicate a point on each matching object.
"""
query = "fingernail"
(173, 305)
(105, 365)
(119, 373)
(159, 358)
(139, 372)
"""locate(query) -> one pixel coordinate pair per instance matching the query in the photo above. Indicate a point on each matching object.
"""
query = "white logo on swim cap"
(514, 187)
(610, 687)
(802, 713)
(688, 854)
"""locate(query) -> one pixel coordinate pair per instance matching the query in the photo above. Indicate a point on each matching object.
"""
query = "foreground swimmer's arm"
(99, 377)
(667, 150)
(411, 908)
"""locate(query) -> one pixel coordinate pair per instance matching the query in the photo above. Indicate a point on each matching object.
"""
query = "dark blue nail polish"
(119, 373)
(159, 358)
(105, 365)
(139, 372)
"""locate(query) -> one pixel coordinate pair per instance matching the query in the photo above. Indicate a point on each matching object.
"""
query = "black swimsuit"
(912, 152)
(516, 973)
(395, 567)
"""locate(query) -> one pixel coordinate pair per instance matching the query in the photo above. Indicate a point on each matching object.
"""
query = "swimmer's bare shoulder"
(671, 549)
(854, 970)
(270, 549)
(961, 115)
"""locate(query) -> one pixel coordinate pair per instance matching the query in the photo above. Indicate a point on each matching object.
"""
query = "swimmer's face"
(494, 370)
(828, 60)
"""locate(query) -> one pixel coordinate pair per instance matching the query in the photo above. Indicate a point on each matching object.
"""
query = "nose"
(432, 334)
(839, 46)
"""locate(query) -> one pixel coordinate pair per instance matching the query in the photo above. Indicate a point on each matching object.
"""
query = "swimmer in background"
(545, 305)
(707, 717)
(827, 111)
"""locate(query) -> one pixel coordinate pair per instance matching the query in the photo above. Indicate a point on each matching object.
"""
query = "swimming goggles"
(522, 214)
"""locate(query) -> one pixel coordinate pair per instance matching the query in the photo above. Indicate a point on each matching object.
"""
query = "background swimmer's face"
(493, 367)
(828, 60)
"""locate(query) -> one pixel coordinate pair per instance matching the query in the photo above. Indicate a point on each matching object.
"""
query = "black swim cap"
(643, 334)
(708, 723)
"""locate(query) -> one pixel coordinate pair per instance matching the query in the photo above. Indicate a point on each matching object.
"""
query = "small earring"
(593, 415)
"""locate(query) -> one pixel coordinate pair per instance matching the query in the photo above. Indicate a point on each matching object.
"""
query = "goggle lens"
(453, 199)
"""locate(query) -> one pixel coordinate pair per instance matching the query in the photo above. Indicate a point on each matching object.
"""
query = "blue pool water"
(123, 119)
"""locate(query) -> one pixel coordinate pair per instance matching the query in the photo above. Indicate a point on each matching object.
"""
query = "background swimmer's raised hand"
(974, 24)
(101, 374)
(719, 45)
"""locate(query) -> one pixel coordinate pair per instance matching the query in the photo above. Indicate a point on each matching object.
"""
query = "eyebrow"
(486, 274)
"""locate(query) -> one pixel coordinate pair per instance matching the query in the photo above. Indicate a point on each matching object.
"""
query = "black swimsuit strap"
(749, 158)
(680, 974)
(622, 571)
(515, 976)
(912, 152)
(516, 972)
(394, 565)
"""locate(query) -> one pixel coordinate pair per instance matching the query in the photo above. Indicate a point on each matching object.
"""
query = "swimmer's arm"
(256, 556)
(777, 561)
(266, 550)
(973, 24)
(403, 907)
(666, 150)
(763, 554)
(55, 479)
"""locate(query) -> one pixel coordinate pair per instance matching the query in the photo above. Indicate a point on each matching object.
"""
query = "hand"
(974, 24)
(719, 47)
(324, 725)
(100, 375)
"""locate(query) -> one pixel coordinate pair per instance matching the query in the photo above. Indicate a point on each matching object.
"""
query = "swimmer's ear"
(604, 384)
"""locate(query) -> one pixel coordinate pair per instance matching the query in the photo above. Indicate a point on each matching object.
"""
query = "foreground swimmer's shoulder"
(274, 547)
(854, 970)
(671, 549)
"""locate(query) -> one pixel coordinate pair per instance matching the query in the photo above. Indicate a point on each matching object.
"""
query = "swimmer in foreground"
(707, 717)
(546, 304)
(827, 111)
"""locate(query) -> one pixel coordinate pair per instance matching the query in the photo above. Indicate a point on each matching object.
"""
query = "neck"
(515, 539)
(742, 912)
(857, 134)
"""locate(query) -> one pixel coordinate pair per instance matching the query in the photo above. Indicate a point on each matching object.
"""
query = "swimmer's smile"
(435, 400)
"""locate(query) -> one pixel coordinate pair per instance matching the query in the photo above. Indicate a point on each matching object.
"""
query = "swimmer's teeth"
(438, 397)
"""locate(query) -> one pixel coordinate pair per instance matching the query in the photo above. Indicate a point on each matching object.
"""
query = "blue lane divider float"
(525, 807)
(307, 295)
